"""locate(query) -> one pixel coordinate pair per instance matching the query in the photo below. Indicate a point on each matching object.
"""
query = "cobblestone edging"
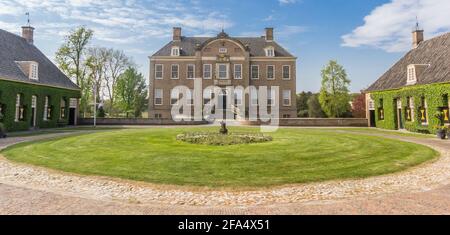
(422, 178)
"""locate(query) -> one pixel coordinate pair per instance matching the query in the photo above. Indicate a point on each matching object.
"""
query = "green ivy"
(8, 93)
(434, 95)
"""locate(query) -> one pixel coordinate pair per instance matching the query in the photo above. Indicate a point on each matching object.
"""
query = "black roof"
(14, 48)
(434, 52)
(256, 45)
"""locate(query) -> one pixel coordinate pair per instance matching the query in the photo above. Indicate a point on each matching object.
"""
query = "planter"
(441, 134)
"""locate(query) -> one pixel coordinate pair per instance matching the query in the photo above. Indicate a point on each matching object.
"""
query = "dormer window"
(412, 76)
(270, 52)
(175, 51)
(34, 71)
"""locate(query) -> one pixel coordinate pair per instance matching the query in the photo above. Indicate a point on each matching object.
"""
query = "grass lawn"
(153, 155)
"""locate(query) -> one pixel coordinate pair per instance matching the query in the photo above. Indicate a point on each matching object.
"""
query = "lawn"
(154, 155)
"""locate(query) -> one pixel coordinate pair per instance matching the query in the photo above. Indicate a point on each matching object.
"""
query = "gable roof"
(256, 45)
(15, 48)
(434, 52)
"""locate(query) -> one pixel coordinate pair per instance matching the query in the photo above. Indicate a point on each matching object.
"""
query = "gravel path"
(27, 189)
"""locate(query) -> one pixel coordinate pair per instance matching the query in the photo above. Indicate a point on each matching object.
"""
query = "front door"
(372, 119)
(72, 117)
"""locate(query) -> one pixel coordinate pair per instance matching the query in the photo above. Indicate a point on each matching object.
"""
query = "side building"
(222, 61)
(34, 93)
(415, 91)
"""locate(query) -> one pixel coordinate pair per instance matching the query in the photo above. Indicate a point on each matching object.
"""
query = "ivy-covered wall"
(8, 94)
(436, 96)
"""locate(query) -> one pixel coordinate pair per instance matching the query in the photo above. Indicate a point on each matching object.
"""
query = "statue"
(223, 128)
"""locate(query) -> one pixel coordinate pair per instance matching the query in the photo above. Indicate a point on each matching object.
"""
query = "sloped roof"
(434, 52)
(256, 46)
(15, 48)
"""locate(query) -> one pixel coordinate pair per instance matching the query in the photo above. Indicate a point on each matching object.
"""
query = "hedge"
(436, 96)
(8, 94)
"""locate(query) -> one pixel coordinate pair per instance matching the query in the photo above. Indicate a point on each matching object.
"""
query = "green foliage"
(434, 95)
(131, 92)
(302, 103)
(212, 138)
(334, 94)
(314, 108)
(101, 112)
(8, 93)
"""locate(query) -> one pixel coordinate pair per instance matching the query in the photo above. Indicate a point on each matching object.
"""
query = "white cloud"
(283, 2)
(115, 21)
(389, 26)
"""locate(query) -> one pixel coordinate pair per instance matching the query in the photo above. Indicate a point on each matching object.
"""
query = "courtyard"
(147, 171)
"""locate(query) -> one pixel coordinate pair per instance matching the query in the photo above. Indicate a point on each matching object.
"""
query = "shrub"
(221, 139)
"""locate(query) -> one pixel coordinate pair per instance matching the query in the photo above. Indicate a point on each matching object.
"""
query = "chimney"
(417, 35)
(269, 34)
(176, 33)
(27, 33)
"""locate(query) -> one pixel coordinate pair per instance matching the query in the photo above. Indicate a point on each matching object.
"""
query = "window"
(34, 71)
(62, 113)
(158, 116)
(175, 51)
(174, 96)
(17, 117)
(412, 78)
(270, 72)
(286, 72)
(159, 71)
(270, 52)
(271, 97)
(47, 109)
(158, 96)
(255, 72)
(238, 71)
(381, 111)
(207, 71)
(286, 116)
(223, 71)
(174, 71)
(423, 111)
(223, 50)
(286, 98)
(238, 96)
(190, 71)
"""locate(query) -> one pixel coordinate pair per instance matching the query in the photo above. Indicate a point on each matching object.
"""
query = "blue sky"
(366, 36)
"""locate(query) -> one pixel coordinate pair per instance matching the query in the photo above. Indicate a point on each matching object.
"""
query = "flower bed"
(210, 138)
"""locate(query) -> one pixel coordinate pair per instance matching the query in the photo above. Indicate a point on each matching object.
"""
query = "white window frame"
(190, 97)
(282, 72)
(254, 97)
(16, 118)
(178, 71)
(210, 71)
(175, 51)
(156, 71)
(411, 75)
(271, 96)
(227, 68)
(34, 71)
(270, 52)
(46, 108)
(273, 73)
(289, 98)
(240, 72)
(251, 72)
(193, 71)
(162, 96)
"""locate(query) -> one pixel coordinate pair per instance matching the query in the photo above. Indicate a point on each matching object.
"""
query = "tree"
(359, 106)
(70, 58)
(334, 95)
(314, 107)
(116, 63)
(302, 103)
(96, 62)
(131, 92)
